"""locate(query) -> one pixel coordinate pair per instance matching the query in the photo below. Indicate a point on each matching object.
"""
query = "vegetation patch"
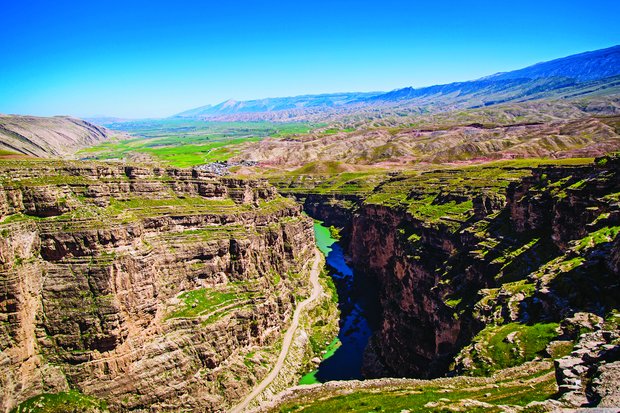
(459, 394)
(185, 142)
(65, 402)
(323, 327)
(202, 301)
(499, 347)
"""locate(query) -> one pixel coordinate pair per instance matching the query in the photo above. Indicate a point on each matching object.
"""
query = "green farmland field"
(185, 143)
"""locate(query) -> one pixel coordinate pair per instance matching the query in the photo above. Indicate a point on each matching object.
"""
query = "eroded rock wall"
(537, 251)
(92, 274)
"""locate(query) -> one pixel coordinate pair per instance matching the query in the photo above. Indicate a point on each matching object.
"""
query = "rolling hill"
(582, 137)
(48, 136)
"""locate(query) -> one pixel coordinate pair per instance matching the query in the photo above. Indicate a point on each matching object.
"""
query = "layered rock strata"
(536, 249)
(463, 255)
(153, 289)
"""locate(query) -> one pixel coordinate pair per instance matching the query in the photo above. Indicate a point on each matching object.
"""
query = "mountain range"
(590, 73)
(278, 104)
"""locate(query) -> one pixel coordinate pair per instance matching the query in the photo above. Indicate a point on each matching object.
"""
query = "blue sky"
(154, 58)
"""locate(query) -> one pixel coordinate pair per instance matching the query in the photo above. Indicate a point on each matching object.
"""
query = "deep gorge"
(152, 288)
(534, 250)
(357, 302)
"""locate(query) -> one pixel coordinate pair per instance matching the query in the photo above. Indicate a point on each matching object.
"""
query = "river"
(343, 360)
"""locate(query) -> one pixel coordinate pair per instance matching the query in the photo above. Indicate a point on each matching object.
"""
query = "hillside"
(582, 137)
(597, 64)
(47, 137)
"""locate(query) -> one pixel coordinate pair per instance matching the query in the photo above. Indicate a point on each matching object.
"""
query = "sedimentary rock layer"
(49, 136)
(463, 255)
(152, 289)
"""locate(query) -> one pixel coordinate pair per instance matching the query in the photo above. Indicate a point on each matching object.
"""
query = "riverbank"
(343, 357)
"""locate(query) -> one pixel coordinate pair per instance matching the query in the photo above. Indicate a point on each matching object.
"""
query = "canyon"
(151, 289)
(136, 288)
(464, 263)
(157, 289)
(470, 240)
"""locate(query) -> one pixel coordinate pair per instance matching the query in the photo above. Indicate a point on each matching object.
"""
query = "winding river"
(343, 360)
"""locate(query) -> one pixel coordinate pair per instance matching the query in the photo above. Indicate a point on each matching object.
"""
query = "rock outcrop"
(468, 256)
(445, 273)
(152, 289)
(588, 376)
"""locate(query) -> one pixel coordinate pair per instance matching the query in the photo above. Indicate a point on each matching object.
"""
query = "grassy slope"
(518, 386)
(64, 402)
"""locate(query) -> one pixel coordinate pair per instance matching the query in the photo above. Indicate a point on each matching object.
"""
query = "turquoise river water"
(343, 360)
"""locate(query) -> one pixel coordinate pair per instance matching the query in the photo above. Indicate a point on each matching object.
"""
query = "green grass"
(495, 351)
(202, 301)
(183, 156)
(131, 210)
(330, 350)
(606, 234)
(391, 188)
(561, 349)
(6, 152)
(433, 212)
(321, 167)
(430, 396)
(346, 183)
(188, 202)
(185, 143)
(65, 402)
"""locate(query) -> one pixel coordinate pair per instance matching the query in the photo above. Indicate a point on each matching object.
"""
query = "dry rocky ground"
(583, 137)
(49, 136)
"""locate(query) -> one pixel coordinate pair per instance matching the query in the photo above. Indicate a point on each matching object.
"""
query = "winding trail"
(288, 337)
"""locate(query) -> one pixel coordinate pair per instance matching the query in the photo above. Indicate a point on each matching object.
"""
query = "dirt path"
(288, 337)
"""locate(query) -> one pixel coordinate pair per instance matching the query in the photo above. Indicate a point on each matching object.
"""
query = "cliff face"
(418, 331)
(464, 254)
(456, 255)
(152, 289)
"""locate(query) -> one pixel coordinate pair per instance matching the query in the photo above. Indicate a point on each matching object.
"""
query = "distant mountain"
(530, 82)
(277, 104)
(48, 137)
(192, 113)
(486, 92)
(596, 72)
(598, 64)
